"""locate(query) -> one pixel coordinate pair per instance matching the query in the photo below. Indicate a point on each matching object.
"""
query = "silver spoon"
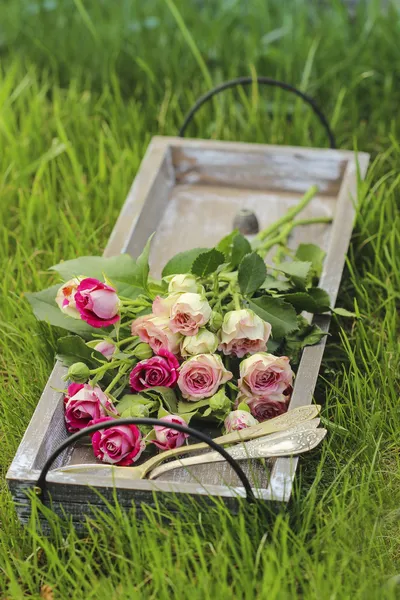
(288, 443)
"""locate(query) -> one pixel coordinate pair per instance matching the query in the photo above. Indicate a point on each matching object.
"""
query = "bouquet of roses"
(215, 339)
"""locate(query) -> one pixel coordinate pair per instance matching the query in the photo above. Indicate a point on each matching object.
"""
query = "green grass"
(83, 87)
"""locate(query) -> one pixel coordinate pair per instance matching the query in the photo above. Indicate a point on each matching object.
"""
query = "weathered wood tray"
(189, 191)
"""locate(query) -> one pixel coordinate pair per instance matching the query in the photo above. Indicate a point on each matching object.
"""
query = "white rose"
(204, 342)
(243, 332)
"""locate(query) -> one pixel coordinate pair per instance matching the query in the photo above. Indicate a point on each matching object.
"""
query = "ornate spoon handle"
(288, 444)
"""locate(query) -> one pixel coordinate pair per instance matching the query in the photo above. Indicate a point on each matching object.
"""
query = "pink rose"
(168, 438)
(186, 312)
(268, 407)
(84, 403)
(265, 374)
(117, 445)
(201, 376)
(239, 419)
(105, 348)
(158, 370)
(98, 303)
(189, 313)
(155, 331)
(243, 332)
(65, 297)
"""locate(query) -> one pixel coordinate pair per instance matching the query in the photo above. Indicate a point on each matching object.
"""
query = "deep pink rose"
(97, 303)
(84, 403)
(265, 374)
(243, 332)
(105, 348)
(268, 407)
(158, 370)
(201, 376)
(156, 332)
(117, 445)
(168, 438)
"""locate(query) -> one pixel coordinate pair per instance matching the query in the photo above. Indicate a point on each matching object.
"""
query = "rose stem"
(118, 376)
(291, 213)
(284, 234)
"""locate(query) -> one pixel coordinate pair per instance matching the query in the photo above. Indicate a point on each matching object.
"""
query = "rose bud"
(243, 332)
(201, 376)
(84, 403)
(107, 349)
(155, 331)
(117, 445)
(268, 407)
(220, 401)
(184, 283)
(265, 374)
(167, 438)
(98, 303)
(79, 372)
(142, 351)
(215, 322)
(161, 370)
(239, 419)
(203, 342)
(65, 297)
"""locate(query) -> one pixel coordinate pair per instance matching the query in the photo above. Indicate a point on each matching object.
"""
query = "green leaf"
(297, 271)
(313, 254)
(240, 247)
(141, 269)
(342, 312)
(278, 313)
(166, 395)
(188, 407)
(252, 273)
(207, 262)
(306, 335)
(315, 300)
(225, 245)
(72, 349)
(182, 262)
(273, 345)
(45, 309)
(272, 283)
(321, 298)
(115, 267)
(314, 336)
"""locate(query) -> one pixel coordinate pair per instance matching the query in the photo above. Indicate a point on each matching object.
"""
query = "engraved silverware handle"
(285, 444)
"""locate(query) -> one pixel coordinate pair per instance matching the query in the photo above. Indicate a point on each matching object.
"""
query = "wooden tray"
(189, 191)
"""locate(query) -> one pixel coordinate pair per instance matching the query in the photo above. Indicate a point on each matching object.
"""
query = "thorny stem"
(118, 376)
(289, 216)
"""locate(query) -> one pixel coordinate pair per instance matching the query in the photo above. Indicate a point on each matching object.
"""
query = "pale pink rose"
(204, 342)
(268, 407)
(189, 313)
(239, 419)
(98, 303)
(156, 332)
(201, 376)
(184, 283)
(65, 298)
(167, 438)
(265, 374)
(162, 306)
(243, 332)
(105, 348)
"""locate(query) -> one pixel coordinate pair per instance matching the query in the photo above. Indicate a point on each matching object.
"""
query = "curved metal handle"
(261, 81)
(41, 482)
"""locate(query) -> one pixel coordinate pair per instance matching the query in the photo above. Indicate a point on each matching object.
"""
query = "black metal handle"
(261, 81)
(41, 482)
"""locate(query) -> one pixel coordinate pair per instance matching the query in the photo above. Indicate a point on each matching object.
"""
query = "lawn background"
(84, 84)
